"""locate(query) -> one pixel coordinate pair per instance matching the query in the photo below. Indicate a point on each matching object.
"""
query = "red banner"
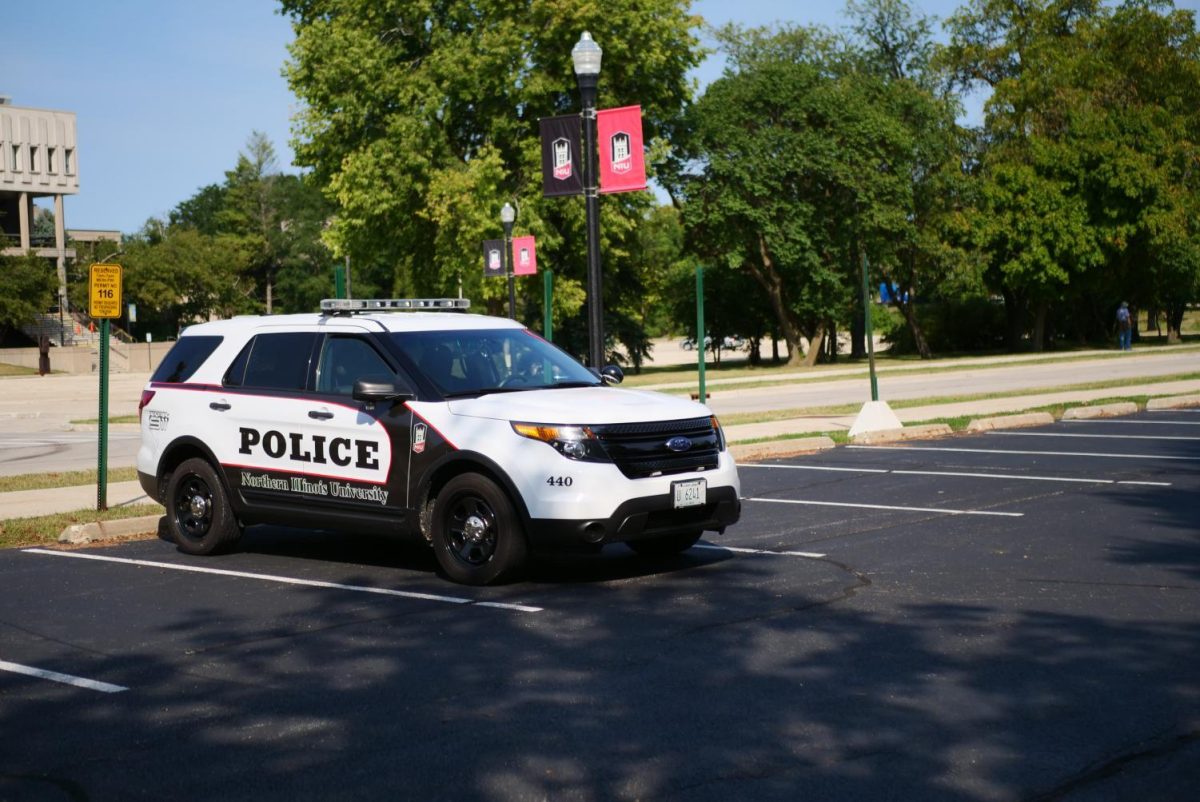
(524, 256)
(622, 163)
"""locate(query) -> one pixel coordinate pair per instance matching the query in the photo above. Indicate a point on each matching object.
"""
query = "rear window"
(185, 358)
(274, 362)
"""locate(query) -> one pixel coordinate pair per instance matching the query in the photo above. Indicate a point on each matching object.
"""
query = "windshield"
(477, 361)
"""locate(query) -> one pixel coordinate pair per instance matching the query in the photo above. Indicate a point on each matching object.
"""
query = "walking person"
(1124, 327)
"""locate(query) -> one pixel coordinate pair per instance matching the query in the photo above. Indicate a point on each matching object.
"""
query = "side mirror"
(381, 388)
(612, 374)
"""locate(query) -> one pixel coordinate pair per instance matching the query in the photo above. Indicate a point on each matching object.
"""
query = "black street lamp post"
(586, 54)
(507, 216)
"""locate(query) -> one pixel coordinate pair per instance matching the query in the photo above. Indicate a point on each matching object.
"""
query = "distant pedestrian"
(1124, 327)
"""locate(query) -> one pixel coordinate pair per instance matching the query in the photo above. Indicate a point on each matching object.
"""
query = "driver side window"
(344, 360)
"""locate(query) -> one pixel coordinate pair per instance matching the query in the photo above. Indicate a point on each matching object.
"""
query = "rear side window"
(185, 358)
(276, 361)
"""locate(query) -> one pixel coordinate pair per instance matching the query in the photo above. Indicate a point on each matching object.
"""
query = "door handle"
(219, 406)
(322, 414)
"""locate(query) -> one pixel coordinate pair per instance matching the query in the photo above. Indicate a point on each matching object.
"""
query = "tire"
(664, 546)
(477, 536)
(198, 512)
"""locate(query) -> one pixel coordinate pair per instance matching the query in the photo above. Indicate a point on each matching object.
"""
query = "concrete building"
(38, 159)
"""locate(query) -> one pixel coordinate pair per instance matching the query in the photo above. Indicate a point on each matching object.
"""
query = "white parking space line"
(287, 580)
(1133, 422)
(898, 472)
(940, 510)
(1102, 436)
(766, 552)
(65, 679)
(1027, 453)
(810, 467)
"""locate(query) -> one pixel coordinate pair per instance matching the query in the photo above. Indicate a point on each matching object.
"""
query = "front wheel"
(477, 536)
(665, 545)
(198, 511)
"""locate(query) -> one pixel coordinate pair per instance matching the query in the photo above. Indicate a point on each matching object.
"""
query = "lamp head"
(507, 214)
(586, 54)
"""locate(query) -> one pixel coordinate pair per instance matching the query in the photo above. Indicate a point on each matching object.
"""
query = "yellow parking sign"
(104, 283)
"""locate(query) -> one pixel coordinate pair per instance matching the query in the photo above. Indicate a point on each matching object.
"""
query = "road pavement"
(1006, 616)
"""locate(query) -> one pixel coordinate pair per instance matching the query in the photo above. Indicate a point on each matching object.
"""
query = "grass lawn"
(42, 481)
(15, 370)
(44, 530)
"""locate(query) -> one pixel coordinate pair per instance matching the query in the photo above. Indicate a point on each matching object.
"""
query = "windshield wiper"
(573, 384)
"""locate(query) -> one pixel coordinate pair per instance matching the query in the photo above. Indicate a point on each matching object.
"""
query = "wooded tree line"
(814, 150)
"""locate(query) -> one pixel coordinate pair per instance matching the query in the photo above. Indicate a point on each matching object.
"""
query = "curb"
(1010, 421)
(780, 448)
(1174, 402)
(907, 433)
(1101, 411)
(80, 534)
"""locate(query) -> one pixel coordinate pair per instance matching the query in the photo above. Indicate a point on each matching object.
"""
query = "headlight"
(716, 424)
(573, 442)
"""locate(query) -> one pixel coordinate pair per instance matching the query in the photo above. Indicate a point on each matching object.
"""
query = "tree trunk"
(1039, 327)
(914, 326)
(814, 348)
(774, 349)
(766, 275)
(858, 336)
(1175, 322)
(831, 352)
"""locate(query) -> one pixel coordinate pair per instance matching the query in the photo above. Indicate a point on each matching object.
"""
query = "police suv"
(411, 415)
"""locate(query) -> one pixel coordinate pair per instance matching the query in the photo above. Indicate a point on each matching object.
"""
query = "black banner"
(493, 258)
(562, 157)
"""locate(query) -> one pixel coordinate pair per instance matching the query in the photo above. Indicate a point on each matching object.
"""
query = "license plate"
(691, 493)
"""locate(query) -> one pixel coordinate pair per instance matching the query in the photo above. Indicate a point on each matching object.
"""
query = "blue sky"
(166, 93)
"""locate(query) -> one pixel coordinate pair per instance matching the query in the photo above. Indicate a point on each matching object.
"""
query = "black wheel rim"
(471, 530)
(194, 507)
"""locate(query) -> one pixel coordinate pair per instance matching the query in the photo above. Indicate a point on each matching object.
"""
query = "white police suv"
(410, 415)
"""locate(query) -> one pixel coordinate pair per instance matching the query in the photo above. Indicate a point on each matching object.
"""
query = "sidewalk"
(29, 503)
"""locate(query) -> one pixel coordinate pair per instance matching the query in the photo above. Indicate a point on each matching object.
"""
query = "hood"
(583, 405)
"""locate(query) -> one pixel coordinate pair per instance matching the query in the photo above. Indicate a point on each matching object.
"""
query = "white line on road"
(941, 510)
(810, 467)
(1134, 422)
(1103, 436)
(66, 679)
(1032, 453)
(1076, 479)
(287, 580)
(738, 550)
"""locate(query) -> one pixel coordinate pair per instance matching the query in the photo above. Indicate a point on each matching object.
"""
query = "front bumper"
(638, 519)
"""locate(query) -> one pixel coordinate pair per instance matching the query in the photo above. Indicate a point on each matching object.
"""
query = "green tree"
(27, 288)
(421, 122)
(798, 161)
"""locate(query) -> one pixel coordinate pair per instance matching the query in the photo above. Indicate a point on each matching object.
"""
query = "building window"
(34, 167)
(16, 158)
(52, 160)
(69, 159)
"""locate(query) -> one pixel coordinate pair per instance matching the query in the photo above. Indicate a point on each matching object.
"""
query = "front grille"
(640, 449)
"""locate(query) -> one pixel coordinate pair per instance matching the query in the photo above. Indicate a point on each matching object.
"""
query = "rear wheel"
(665, 545)
(198, 511)
(477, 536)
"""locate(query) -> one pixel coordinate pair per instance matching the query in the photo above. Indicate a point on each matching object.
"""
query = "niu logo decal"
(418, 444)
(493, 259)
(620, 152)
(679, 444)
(561, 150)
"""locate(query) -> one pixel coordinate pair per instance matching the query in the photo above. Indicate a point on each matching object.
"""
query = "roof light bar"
(333, 306)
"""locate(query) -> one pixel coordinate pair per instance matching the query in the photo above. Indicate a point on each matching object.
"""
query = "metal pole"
(866, 299)
(591, 194)
(102, 440)
(349, 294)
(700, 327)
(508, 271)
(548, 305)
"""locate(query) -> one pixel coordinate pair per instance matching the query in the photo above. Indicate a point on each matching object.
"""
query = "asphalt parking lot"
(1005, 616)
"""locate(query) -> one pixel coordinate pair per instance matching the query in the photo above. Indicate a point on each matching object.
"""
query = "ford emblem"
(679, 444)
